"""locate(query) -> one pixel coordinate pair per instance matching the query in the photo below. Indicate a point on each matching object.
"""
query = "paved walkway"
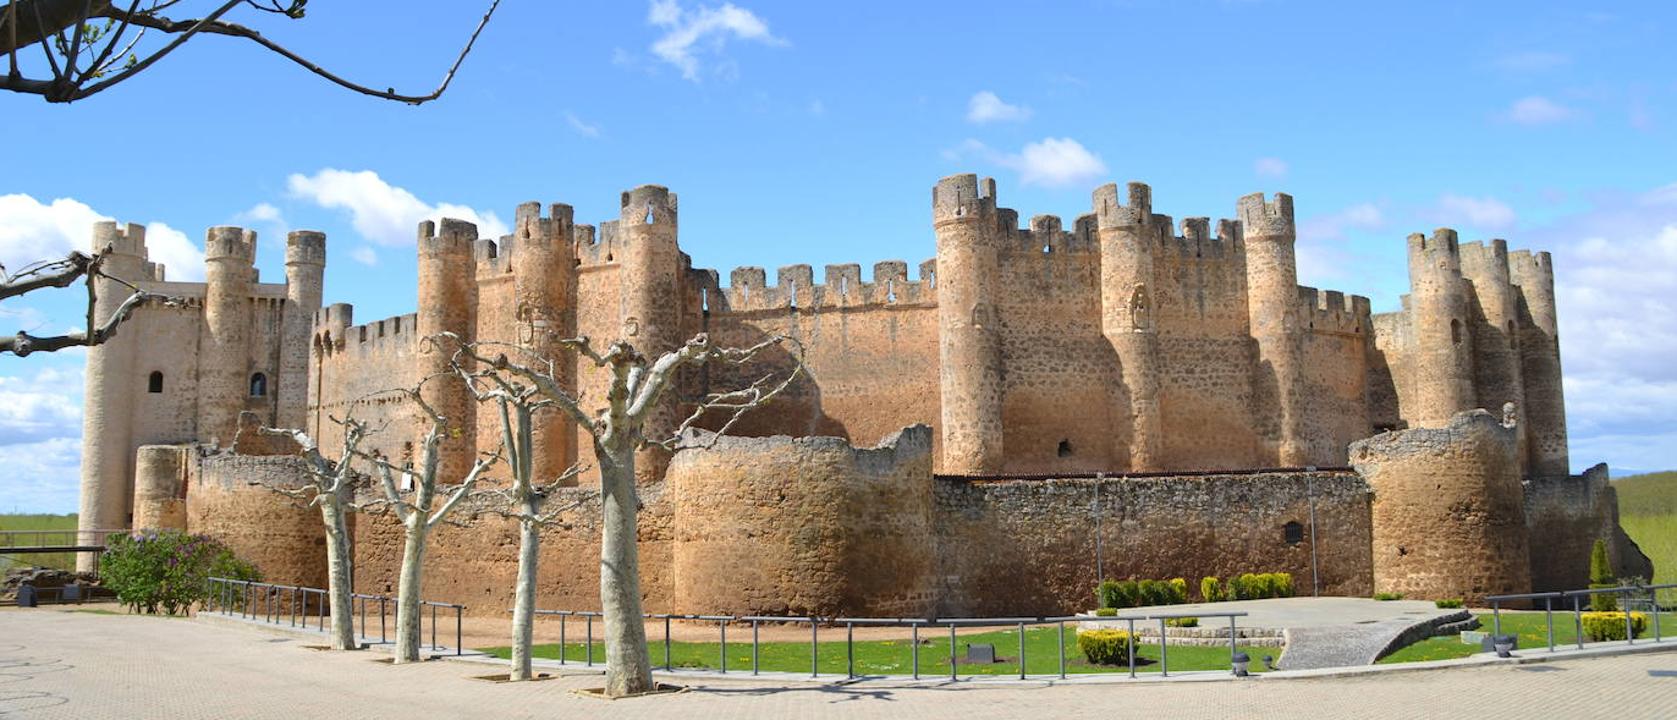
(1323, 632)
(81, 666)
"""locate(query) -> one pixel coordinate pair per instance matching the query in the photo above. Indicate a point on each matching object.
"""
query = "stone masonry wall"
(226, 500)
(1565, 515)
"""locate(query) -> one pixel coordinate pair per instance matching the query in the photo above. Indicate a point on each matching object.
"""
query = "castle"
(1040, 397)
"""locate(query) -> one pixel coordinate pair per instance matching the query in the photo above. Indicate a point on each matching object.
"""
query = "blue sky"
(811, 132)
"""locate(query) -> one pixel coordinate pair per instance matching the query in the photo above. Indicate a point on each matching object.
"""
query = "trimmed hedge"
(1140, 593)
(1183, 622)
(1604, 626)
(1447, 603)
(1104, 647)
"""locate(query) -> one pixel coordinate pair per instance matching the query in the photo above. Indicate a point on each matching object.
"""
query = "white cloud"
(43, 406)
(986, 107)
(581, 128)
(383, 213)
(1538, 110)
(364, 255)
(31, 231)
(42, 477)
(1268, 167)
(1050, 162)
(260, 212)
(1532, 61)
(1616, 295)
(1324, 249)
(1461, 211)
(687, 33)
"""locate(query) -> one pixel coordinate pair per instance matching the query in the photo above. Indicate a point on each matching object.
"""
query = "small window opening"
(1064, 449)
(1046, 249)
(792, 292)
(1292, 532)
(1456, 332)
(891, 290)
(154, 384)
(704, 299)
(1513, 340)
(650, 218)
(844, 286)
(259, 385)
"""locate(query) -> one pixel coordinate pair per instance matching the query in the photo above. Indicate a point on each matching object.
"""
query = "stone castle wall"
(229, 500)
(1565, 515)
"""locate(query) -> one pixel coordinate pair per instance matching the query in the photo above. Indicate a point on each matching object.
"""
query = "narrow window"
(1064, 449)
(1292, 532)
(154, 384)
(1456, 332)
(259, 385)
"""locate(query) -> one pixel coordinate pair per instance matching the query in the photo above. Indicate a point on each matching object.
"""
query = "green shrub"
(1178, 591)
(1210, 591)
(1104, 647)
(1183, 622)
(1283, 584)
(1447, 603)
(167, 570)
(1388, 596)
(1601, 577)
(1106, 612)
(1106, 594)
(1603, 626)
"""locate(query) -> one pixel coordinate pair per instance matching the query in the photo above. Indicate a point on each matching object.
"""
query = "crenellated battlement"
(227, 242)
(334, 333)
(1530, 263)
(1333, 311)
(1431, 255)
(1267, 218)
(960, 198)
(1110, 211)
(1485, 261)
(1045, 235)
(129, 239)
(842, 287)
(305, 247)
(453, 238)
(596, 247)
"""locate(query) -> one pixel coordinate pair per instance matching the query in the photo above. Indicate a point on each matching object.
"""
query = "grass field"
(1648, 512)
(895, 657)
(38, 522)
(1532, 627)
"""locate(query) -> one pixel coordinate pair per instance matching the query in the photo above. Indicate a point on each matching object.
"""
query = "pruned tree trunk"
(628, 665)
(408, 610)
(337, 571)
(524, 601)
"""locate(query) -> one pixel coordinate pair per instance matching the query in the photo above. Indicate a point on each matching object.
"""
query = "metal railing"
(1624, 594)
(275, 603)
(915, 626)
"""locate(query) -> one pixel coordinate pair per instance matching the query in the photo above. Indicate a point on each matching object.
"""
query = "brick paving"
(61, 664)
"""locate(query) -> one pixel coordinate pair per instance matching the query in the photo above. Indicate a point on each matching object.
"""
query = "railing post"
(915, 647)
(1654, 599)
(459, 641)
(814, 647)
(1549, 619)
(753, 647)
(952, 675)
(381, 637)
(1131, 641)
(433, 627)
(590, 627)
(1232, 649)
(1164, 656)
(1624, 603)
(1496, 618)
(1578, 620)
(1060, 640)
(563, 616)
(320, 623)
(667, 662)
(850, 649)
(723, 626)
(1021, 651)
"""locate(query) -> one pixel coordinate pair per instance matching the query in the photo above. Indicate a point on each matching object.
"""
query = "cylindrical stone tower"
(1496, 347)
(112, 380)
(1449, 510)
(969, 350)
(651, 302)
(305, 262)
(1540, 363)
(1127, 238)
(1439, 312)
(447, 303)
(160, 487)
(1273, 313)
(544, 289)
(224, 348)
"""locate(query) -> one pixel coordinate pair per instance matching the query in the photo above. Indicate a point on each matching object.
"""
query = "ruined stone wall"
(1029, 546)
(226, 499)
(1449, 511)
(1565, 515)
(803, 526)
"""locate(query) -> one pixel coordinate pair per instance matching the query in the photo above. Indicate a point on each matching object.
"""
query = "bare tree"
(526, 499)
(64, 273)
(332, 486)
(636, 388)
(411, 499)
(90, 45)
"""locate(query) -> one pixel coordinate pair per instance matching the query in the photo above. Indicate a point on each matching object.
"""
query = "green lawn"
(1532, 628)
(895, 657)
(1648, 513)
(38, 522)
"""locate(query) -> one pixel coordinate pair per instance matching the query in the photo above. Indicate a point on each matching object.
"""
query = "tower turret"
(651, 301)
(305, 262)
(969, 350)
(544, 289)
(1540, 362)
(1273, 313)
(1439, 313)
(223, 348)
(1496, 349)
(107, 432)
(448, 303)
(1127, 235)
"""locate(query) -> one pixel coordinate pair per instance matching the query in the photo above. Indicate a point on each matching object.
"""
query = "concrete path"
(62, 664)
(1326, 631)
